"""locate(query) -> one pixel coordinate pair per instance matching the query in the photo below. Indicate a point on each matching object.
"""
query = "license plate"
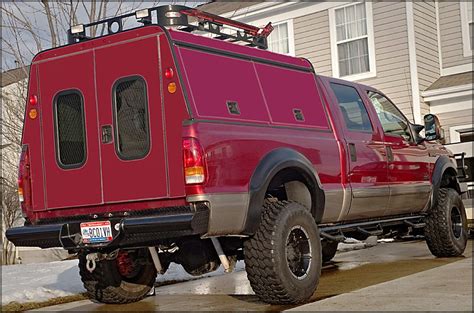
(95, 232)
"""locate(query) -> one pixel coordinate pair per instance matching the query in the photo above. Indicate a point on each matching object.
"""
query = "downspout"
(415, 86)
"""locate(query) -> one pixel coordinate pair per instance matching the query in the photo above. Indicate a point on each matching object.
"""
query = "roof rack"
(178, 16)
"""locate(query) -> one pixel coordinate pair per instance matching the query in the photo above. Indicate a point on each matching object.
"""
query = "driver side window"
(392, 120)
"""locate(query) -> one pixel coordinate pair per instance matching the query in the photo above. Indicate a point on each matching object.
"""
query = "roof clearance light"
(76, 29)
(142, 13)
(169, 73)
(33, 114)
(172, 87)
(33, 100)
(172, 14)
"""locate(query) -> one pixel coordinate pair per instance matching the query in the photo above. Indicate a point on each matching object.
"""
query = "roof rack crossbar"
(177, 16)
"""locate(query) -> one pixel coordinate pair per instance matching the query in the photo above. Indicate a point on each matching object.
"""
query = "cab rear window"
(70, 129)
(352, 108)
(131, 118)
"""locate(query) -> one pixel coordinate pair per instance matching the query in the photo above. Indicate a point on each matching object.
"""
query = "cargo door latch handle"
(106, 134)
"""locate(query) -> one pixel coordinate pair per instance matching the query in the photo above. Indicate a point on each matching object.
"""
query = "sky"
(29, 16)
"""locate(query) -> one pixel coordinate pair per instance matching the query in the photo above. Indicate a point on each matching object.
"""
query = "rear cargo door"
(131, 121)
(68, 114)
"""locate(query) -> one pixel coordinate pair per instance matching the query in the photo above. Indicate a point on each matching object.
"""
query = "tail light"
(24, 180)
(194, 164)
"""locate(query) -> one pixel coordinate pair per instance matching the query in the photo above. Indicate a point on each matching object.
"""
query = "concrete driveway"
(390, 276)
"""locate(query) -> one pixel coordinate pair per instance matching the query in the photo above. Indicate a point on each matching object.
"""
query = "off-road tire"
(265, 254)
(329, 249)
(106, 285)
(439, 233)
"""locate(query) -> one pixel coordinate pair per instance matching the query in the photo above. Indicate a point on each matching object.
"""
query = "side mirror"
(416, 129)
(433, 130)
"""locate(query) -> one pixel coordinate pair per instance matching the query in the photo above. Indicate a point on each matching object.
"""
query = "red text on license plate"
(95, 232)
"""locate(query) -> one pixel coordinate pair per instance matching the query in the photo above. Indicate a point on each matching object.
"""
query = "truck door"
(68, 114)
(368, 173)
(130, 121)
(409, 163)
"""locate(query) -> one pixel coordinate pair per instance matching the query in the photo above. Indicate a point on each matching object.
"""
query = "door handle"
(373, 142)
(389, 153)
(352, 152)
(106, 134)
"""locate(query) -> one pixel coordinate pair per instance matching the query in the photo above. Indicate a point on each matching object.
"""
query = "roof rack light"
(77, 29)
(77, 33)
(143, 16)
(142, 13)
(172, 14)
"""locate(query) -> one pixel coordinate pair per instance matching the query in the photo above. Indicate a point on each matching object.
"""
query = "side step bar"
(418, 225)
(335, 232)
(337, 237)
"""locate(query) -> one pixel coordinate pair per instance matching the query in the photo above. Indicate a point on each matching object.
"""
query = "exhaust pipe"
(156, 259)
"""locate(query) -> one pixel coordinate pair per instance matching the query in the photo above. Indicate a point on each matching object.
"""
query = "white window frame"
(291, 36)
(466, 41)
(455, 134)
(370, 42)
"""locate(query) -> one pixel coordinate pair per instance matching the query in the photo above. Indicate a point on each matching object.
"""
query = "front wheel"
(283, 258)
(128, 278)
(446, 225)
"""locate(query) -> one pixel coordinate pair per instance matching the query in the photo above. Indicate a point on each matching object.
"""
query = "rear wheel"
(446, 225)
(329, 249)
(283, 258)
(128, 278)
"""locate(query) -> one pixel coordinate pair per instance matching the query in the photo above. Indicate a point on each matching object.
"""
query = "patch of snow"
(386, 240)
(351, 244)
(351, 240)
(177, 273)
(343, 247)
(42, 281)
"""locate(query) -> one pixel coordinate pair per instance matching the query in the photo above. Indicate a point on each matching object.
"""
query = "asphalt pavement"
(398, 276)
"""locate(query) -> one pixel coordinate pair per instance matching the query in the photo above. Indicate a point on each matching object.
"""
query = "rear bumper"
(127, 232)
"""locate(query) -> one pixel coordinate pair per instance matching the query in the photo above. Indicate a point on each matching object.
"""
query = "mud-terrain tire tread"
(438, 232)
(99, 290)
(329, 250)
(266, 282)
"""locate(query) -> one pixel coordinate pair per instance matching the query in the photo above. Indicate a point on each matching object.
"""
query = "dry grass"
(21, 307)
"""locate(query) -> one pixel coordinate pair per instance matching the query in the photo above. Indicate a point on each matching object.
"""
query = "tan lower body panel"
(228, 212)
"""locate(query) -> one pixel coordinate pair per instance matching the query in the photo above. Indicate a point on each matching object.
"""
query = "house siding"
(391, 54)
(451, 34)
(312, 41)
(426, 42)
(454, 118)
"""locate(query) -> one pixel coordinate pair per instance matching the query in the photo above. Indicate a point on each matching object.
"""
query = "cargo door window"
(131, 118)
(70, 129)
(352, 108)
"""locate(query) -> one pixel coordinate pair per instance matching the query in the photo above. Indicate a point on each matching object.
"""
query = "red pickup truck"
(155, 145)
